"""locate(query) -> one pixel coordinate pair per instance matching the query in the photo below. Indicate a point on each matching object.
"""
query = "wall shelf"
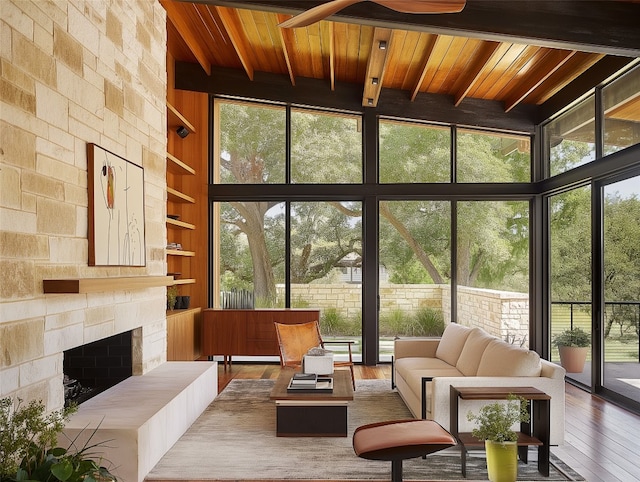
(176, 166)
(185, 281)
(174, 223)
(179, 252)
(176, 196)
(176, 119)
(96, 285)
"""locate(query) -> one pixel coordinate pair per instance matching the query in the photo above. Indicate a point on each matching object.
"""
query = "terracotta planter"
(572, 358)
(502, 461)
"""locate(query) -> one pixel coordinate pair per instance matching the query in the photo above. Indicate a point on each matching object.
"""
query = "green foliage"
(494, 420)
(172, 294)
(394, 323)
(425, 322)
(572, 337)
(28, 451)
(332, 322)
(429, 321)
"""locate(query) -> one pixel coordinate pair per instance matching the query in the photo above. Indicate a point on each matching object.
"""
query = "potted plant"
(493, 425)
(172, 296)
(29, 451)
(573, 346)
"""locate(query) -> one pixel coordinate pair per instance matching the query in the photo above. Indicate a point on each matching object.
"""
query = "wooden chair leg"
(353, 378)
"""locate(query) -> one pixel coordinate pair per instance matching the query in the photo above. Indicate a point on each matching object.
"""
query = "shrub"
(28, 451)
(572, 337)
(429, 322)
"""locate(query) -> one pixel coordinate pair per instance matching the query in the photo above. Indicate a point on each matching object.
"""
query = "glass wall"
(414, 153)
(250, 144)
(330, 140)
(570, 139)
(621, 105)
(251, 237)
(570, 268)
(621, 323)
(415, 270)
(493, 267)
(491, 157)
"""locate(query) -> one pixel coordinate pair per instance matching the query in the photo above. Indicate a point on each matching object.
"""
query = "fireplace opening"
(92, 368)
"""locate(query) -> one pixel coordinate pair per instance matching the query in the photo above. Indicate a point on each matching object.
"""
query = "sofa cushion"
(408, 367)
(472, 351)
(452, 342)
(414, 381)
(501, 359)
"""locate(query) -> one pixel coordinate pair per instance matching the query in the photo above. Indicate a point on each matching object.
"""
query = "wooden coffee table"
(322, 414)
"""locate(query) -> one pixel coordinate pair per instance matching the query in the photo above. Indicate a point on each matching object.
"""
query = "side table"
(539, 403)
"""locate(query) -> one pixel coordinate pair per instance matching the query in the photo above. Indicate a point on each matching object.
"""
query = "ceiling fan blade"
(423, 6)
(317, 13)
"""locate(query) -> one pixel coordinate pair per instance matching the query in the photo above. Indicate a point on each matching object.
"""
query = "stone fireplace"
(94, 367)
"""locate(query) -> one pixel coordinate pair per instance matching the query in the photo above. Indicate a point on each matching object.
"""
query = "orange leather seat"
(397, 440)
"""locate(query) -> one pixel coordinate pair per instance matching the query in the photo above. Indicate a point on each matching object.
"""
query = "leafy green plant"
(430, 322)
(28, 450)
(172, 294)
(332, 321)
(572, 337)
(494, 420)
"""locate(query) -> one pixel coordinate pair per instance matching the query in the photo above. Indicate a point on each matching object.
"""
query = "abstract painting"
(116, 210)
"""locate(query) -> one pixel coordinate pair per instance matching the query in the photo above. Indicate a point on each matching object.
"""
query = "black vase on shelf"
(183, 302)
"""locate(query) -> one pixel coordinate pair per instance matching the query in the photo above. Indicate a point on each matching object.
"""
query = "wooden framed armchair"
(295, 340)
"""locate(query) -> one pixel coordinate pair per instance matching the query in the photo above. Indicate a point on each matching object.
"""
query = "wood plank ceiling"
(412, 61)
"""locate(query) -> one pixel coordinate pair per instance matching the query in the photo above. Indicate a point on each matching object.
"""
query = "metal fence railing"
(621, 330)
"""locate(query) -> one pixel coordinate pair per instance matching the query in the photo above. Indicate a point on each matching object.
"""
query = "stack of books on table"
(310, 382)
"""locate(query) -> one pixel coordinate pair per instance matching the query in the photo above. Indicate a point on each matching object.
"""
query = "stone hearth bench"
(143, 416)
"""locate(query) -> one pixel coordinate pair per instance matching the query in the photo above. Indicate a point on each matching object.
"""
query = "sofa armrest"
(415, 347)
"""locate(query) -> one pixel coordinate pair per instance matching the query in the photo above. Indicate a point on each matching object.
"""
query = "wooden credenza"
(247, 332)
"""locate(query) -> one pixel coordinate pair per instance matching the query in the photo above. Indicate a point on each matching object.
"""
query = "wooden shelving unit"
(187, 167)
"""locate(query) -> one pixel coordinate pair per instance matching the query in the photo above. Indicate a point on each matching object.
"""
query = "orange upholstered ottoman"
(397, 440)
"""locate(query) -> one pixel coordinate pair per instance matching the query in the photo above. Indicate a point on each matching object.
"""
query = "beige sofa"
(469, 357)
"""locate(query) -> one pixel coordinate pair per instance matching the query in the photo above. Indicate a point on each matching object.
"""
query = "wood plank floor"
(602, 439)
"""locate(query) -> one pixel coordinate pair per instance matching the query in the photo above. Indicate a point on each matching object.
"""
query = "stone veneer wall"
(504, 314)
(73, 72)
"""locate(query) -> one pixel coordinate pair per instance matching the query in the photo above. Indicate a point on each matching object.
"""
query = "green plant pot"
(502, 461)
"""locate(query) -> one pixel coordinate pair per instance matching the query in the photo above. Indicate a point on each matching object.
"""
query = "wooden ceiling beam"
(286, 39)
(487, 51)
(231, 24)
(183, 27)
(552, 61)
(424, 66)
(376, 66)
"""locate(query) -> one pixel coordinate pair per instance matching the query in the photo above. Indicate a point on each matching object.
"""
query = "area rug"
(234, 439)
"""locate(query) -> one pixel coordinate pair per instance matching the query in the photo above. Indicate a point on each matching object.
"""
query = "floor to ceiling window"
(570, 269)
(289, 197)
(621, 279)
(594, 235)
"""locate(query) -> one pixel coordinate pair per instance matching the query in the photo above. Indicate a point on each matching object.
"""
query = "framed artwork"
(116, 210)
